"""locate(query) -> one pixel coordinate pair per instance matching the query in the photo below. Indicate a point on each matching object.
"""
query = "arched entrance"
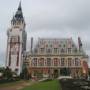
(65, 71)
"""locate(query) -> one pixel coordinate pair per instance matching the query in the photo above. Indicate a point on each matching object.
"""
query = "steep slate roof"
(57, 46)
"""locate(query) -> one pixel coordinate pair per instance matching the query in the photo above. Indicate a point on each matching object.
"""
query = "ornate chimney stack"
(31, 44)
(80, 44)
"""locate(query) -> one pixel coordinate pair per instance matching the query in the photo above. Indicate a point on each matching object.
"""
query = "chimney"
(79, 43)
(31, 44)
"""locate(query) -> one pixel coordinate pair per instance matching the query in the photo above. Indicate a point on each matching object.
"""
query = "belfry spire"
(18, 17)
(16, 43)
(19, 13)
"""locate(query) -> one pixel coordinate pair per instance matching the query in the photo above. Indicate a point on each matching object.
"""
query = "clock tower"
(16, 42)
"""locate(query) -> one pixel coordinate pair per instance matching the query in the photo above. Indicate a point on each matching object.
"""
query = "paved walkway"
(18, 86)
(74, 84)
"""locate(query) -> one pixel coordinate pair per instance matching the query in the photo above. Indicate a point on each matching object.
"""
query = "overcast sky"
(48, 18)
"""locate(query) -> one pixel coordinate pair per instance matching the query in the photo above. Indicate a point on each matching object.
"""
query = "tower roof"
(19, 13)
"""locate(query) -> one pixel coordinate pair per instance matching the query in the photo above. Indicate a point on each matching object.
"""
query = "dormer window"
(48, 50)
(42, 50)
(75, 50)
(72, 45)
(64, 45)
(55, 50)
(59, 45)
(62, 50)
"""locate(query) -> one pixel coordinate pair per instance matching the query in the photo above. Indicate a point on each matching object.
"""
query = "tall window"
(36, 51)
(75, 50)
(48, 61)
(55, 61)
(62, 61)
(17, 63)
(9, 59)
(64, 45)
(34, 62)
(41, 62)
(69, 61)
(9, 62)
(76, 62)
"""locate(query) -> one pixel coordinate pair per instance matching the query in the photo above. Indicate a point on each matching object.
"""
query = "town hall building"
(54, 57)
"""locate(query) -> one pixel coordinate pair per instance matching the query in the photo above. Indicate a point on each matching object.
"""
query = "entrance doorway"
(65, 72)
(55, 73)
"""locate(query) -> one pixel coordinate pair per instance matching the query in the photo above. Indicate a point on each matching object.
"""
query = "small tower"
(16, 42)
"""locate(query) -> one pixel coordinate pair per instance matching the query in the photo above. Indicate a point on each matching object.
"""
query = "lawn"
(45, 85)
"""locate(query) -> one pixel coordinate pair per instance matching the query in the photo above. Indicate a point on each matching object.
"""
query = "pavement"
(74, 84)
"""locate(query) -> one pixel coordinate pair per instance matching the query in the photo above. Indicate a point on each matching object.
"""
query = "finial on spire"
(19, 8)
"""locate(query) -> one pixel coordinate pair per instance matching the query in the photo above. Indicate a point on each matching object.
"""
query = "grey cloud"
(72, 14)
